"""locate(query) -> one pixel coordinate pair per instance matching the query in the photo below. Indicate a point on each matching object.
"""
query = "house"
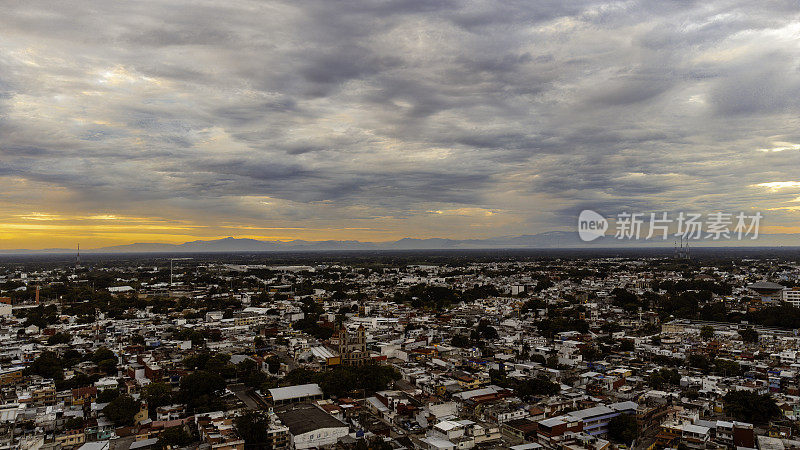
(310, 426)
(550, 430)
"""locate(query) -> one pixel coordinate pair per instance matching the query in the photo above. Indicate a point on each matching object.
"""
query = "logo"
(687, 226)
(591, 225)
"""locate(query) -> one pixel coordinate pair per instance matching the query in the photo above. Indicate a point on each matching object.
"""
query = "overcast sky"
(167, 121)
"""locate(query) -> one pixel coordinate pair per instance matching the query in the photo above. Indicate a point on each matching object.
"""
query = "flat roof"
(624, 406)
(304, 417)
(297, 391)
(600, 410)
(695, 429)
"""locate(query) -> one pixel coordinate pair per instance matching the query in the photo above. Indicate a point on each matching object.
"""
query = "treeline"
(439, 298)
(780, 316)
(50, 364)
(694, 299)
(86, 303)
(678, 286)
(526, 388)
(341, 381)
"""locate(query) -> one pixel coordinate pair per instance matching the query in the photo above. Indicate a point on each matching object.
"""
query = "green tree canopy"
(252, 426)
(157, 394)
(122, 410)
(102, 354)
(623, 429)
(59, 338)
(199, 390)
(749, 335)
(174, 437)
(751, 407)
(47, 365)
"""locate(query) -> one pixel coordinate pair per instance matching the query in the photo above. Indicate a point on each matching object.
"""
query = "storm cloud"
(383, 119)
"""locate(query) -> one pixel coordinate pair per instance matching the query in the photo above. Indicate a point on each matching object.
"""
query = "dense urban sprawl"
(522, 353)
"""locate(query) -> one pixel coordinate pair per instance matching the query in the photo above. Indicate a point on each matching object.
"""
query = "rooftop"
(304, 417)
(298, 391)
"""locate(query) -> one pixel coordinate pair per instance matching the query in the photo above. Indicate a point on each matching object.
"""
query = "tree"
(273, 364)
(543, 284)
(109, 366)
(749, 335)
(252, 426)
(218, 363)
(699, 361)
(71, 357)
(590, 353)
(487, 331)
(122, 410)
(537, 386)
(626, 345)
(727, 367)
(623, 429)
(552, 362)
(751, 407)
(344, 380)
(102, 354)
(459, 340)
(707, 332)
(259, 342)
(625, 299)
(74, 423)
(662, 376)
(199, 390)
(250, 373)
(157, 394)
(59, 338)
(47, 365)
(41, 316)
(107, 395)
(190, 334)
(174, 437)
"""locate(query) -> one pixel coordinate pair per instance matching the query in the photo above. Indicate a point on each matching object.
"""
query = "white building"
(791, 296)
(310, 426)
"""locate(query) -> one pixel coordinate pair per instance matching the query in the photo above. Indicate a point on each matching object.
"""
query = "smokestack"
(37, 294)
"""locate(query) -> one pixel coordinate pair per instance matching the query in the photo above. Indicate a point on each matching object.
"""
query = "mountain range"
(551, 239)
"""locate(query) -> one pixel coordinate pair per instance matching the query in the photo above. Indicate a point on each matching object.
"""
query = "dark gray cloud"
(478, 117)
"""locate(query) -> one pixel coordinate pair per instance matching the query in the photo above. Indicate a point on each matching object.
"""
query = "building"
(352, 346)
(692, 436)
(12, 375)
(217, 430)
(86, 394)
(735, 434)
(523, 429)
(310, 426)
(767, 291)
(277, 433)
(295, 394)
(791, 296)
(549, 431)
(595, 420)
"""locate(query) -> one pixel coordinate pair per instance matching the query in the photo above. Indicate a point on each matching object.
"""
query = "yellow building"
(12, 375)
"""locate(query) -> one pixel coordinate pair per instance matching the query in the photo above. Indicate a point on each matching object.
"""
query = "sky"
(170, 121)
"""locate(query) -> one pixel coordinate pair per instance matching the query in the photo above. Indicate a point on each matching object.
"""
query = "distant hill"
(550, 239)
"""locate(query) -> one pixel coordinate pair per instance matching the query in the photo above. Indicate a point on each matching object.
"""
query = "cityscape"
(399, 224)
(404, 349)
